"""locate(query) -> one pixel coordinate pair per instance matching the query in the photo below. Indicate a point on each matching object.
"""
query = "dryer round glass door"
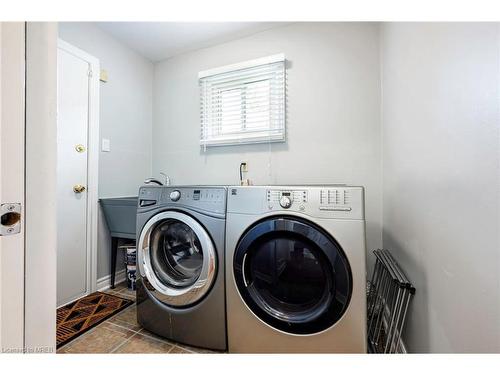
(177, 257)
(292, 275)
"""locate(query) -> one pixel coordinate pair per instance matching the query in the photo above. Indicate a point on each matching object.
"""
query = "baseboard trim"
(105, 282)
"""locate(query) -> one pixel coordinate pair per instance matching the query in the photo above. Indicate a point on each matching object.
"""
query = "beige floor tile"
(121, 290)
(145, 332)
(127, 319)
(118, 287)
(143, 344)
(118, 328)
(62, 350)
(128, 294)
(111, 291)
(194, 349)
(101, 339)
(125, 296)
(190, 349)
(180, 350)
(122, 334)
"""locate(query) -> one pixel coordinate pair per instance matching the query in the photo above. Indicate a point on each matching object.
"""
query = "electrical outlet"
(103, 76)
(244, 166)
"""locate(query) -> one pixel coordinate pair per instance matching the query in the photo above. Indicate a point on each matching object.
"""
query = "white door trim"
(92, 160)
(41, 196)
(12, 183)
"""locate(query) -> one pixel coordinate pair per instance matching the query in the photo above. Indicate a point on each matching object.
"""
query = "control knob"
(285, 202)
(175, 195)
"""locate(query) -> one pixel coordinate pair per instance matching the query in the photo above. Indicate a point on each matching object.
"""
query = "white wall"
(125, 118)
(440, 85)
(333, 113)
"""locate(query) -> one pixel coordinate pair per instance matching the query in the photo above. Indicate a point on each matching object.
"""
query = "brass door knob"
(78, 188)
(80, 148)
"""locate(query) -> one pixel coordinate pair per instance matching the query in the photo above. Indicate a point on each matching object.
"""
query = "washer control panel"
(203, 195)
(175, 195)
(211, 199)
(207, 198)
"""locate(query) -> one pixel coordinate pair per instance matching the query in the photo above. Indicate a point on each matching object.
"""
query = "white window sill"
(234, 140)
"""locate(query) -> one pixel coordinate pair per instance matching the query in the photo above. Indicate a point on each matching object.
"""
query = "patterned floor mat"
(79, 316)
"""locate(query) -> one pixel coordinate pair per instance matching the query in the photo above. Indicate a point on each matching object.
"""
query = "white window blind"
(243, 103)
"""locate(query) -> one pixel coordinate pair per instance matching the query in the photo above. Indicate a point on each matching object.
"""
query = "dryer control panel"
(287, 198)
(334, 201)
(329, 199)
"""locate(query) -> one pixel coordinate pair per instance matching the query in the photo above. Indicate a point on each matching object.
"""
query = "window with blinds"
(243, 103)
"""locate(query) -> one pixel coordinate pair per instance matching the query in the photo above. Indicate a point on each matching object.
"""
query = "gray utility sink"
(120, 215)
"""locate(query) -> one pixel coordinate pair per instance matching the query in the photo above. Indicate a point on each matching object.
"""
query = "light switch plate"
(105, 145)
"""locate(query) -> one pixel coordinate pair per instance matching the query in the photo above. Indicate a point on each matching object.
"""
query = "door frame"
(92, 160)
(12, 184)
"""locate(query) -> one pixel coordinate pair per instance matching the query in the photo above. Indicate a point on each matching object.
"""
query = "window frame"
(270, 133)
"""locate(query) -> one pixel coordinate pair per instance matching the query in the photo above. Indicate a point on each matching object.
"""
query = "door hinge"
(10, 215)
(90, 73)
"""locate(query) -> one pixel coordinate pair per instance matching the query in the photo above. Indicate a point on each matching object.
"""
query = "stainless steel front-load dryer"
(180, 257)
(295, 269)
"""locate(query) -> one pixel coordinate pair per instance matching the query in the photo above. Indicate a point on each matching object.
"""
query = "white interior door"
(73, 263)
(12, 166)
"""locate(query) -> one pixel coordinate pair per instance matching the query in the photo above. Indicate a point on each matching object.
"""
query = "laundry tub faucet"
(152, 180)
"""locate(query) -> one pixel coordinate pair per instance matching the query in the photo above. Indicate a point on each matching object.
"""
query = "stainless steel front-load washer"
(180, 258)
(295, 269)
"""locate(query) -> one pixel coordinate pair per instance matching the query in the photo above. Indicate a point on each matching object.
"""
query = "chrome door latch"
(10, 215)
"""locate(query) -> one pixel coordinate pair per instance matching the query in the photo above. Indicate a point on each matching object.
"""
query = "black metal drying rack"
(389, 294)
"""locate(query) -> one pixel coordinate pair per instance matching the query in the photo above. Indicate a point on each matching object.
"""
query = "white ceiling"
(161, 40)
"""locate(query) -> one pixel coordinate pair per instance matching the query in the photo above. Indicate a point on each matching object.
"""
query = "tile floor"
(122, 334)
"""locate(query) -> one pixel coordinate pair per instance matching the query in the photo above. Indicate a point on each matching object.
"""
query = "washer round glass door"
(292, 275)
(177, 257)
